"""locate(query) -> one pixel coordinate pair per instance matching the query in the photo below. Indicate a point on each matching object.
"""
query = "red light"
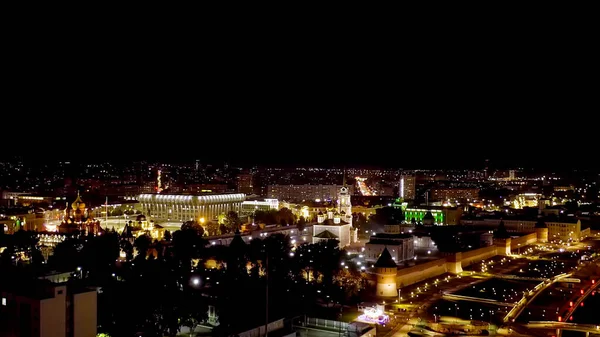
(570, 304)
(581, 291)
(593, 281)
(582, 304)
(571, 318)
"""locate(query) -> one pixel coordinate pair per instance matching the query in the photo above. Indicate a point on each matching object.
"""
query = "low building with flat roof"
(43, 309)
(401, 246)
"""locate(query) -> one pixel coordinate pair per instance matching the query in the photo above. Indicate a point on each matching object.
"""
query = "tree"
(359, 220)
(127, 247)
(223, 228)
(117, 212)
(142, 244)
(66, 256)
(233, 220)
(301, 224)
(267, 217)
(388, 216)
(212, 228)
(167, 235)
(193, 225)
(286, 216)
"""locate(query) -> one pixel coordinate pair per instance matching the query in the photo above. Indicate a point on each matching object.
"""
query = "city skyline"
(473, 162)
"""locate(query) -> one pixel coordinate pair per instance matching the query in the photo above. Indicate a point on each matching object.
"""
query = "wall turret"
(386, 271)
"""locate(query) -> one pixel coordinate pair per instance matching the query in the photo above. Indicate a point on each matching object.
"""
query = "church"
(336, 223)
(78, 218)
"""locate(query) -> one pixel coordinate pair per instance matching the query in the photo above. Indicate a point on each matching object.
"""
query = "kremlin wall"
(388, 279)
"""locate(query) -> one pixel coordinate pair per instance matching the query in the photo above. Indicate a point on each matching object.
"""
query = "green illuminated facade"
(419, 213)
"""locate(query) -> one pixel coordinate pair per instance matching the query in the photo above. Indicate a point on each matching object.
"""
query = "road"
(363, 188)
(581, 298)
(528, 298)
(453, 297)
(419, 297)
(564, 326)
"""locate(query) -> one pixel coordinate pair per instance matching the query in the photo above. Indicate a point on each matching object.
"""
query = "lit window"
(4, 301)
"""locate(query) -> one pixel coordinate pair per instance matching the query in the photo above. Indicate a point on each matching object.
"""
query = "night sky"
(425, 110)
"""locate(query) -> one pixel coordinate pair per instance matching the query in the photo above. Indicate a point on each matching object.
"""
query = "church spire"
(344, 177)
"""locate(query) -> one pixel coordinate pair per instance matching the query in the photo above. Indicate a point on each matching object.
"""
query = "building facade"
(400, 246)
(336, 223)
(77, 218)
(170, 207)
(306, 192)
(250, 206)
(455, 193)
(407, 188)
(245, 183)
(48, 310)
(441, 215)
(565, 231)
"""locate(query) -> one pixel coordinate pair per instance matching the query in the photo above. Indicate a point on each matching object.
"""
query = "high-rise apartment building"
(455, 193)
(407, 188)
(306, 192)
(245, 183)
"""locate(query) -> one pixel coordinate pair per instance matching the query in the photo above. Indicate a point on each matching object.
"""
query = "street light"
(196, 281)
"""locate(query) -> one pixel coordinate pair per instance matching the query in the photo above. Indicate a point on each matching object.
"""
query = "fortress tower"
(541, 229)
(454, 263)
(386, 271)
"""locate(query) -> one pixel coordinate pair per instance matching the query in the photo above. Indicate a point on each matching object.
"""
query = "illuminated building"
(400, 246)
(50, 239)
(564, 230)
(245, 183)
(455, 193)
(143, 226)
(441, 215)
(77, 218)
(567, 188)
(33, 220)
(44, 309)
(170, 207)
(32, 200)
(407, 187)
(526, 200)
(250, 206)
(336, 223)
(305, 192)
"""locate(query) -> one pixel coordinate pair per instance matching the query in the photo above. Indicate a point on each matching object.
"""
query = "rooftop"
(392, 236)
(385, 260)
(387, 242)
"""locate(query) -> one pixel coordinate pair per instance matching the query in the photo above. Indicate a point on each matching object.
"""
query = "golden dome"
(78, 203)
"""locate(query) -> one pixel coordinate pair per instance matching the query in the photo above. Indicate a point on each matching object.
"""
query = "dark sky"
(418, 108)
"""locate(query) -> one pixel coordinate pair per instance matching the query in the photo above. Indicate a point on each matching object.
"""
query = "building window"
(3, 301)
(60, 292)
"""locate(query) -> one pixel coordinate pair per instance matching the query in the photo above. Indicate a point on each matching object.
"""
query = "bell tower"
(344, 204)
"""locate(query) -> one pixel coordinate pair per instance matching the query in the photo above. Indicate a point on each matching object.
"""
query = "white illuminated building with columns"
(170, 207)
